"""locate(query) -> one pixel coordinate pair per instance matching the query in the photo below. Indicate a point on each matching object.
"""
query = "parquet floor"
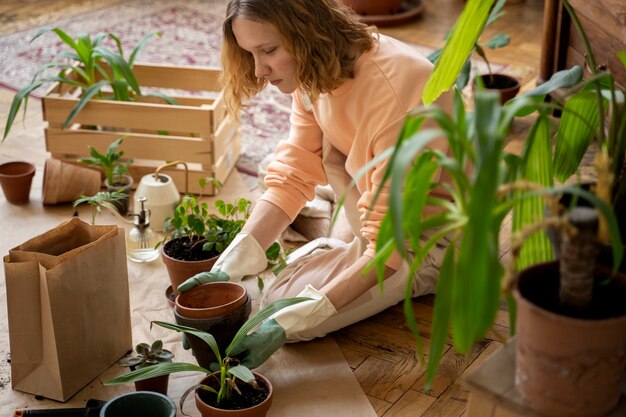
(381, 350)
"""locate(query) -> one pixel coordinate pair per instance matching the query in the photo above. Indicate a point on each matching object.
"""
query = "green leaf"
(578, 124)
(142, 43)
(242, 373)
(498, 41)
(457, 49)
(441, 317)
(261, 315)
(156, 370)
(84, 99)
(204, 336)
(20, 96)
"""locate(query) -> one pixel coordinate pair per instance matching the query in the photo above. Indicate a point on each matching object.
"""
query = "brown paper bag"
(68, 307)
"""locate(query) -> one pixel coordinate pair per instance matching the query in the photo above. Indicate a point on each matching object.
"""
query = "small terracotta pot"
(567, 366)
(179, 271)
(65, 182)
(157, 384)
(16, 179)
(211, 300)
(222, 327)
(259, 410)
(507, 86)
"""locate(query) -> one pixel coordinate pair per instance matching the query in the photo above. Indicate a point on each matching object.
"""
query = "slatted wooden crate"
(196, 130)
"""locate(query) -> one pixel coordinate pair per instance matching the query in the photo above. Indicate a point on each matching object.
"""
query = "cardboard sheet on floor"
(310, 379)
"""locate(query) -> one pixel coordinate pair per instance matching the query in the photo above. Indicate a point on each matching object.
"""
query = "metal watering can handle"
(171, 164)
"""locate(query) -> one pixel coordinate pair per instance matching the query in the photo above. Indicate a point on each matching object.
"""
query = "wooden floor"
(381, 350)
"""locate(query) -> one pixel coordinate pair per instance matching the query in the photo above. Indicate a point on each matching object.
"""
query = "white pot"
(162, 197)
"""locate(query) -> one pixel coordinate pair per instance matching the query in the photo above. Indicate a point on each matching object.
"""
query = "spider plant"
(99, 71)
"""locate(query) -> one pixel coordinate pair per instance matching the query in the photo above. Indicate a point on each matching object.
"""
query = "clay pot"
(156, 384)
(64, 182)
(568, 366)
(16, 179)
(507, 86)
(139, 404)
(227, 308)
(211, 300)
(259, 410)
(179, 271)
(374, 7)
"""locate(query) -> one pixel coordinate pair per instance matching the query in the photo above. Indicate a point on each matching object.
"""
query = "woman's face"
(271, 60)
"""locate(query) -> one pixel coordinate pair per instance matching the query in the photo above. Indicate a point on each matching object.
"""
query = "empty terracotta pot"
(211, 300)
(16, 179)
(64, 182)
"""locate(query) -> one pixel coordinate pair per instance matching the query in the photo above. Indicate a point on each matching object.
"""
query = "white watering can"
(161, 194)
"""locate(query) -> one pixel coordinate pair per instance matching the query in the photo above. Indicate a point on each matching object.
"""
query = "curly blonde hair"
(324, 38)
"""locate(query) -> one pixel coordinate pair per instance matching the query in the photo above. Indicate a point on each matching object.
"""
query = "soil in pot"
(507, 86)
(255, 401)
(608, 297)
(186, 249)
(183, 257)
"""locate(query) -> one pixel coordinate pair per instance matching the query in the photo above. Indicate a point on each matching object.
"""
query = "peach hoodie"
(361, 118)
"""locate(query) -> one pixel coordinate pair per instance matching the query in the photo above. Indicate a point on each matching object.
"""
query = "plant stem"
(578, 258)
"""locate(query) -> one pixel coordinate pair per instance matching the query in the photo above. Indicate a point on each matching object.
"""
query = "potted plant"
(100, 200)
(506, 85)
(149, 355)
(195, 236)
(90, 65)
(487, 184)
(219, 390)
(115, 170)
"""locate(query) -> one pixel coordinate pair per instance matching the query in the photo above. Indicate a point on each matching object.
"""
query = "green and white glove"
(244, 256)
(285, 325)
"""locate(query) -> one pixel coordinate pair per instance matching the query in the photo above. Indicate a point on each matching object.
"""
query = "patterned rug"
(190, 35)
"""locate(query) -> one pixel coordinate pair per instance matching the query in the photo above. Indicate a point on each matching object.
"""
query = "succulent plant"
(147, 355)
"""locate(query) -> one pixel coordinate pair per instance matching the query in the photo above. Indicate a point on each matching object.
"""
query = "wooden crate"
(196, 130)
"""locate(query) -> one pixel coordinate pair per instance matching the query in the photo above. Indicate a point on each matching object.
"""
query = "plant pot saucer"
(171, 296)
(409, 11)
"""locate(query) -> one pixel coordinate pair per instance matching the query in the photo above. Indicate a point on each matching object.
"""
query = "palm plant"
(487, 184)
(97, 70)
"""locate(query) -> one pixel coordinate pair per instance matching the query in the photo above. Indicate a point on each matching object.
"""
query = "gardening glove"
(244, 256)
(284, 325)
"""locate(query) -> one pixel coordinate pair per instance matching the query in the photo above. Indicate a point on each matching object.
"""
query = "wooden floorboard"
(381, 350)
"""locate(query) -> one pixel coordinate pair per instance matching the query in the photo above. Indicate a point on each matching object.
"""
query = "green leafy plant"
(489, 183)
(193, 219)
(230, 372)
(111, 163)
(147, 355)
(97, 70)
(102, 199)
(499, 40)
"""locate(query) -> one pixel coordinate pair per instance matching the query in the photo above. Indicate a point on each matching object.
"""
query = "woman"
(351, 89)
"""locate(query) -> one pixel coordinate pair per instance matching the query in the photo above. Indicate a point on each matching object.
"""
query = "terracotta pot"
(139, 404)
(507, 86)
(179, 271)
(222, 327)
(211, 300)
(259, 410)
(157, 384)
(16, 179)
(567, 366)
(374, 7)
(121, 205)
(64, 182)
